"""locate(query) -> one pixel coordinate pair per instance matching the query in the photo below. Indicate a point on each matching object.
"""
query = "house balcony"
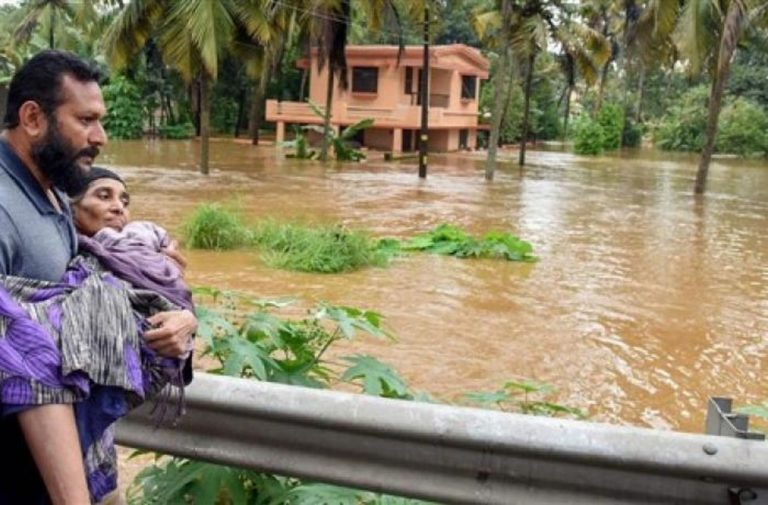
(401, 116)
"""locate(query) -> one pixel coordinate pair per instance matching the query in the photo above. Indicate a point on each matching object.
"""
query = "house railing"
(449, 454)
(400, 116)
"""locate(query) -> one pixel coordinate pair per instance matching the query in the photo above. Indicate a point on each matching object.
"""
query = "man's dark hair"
(40, 78)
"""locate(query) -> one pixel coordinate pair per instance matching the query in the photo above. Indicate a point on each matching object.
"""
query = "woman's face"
(104, 204)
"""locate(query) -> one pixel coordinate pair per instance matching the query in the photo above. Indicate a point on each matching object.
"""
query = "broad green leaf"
(378, 378)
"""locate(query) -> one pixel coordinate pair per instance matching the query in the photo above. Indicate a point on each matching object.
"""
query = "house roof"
(472, 61)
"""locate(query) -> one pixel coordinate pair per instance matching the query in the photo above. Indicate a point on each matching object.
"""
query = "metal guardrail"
(449, 454)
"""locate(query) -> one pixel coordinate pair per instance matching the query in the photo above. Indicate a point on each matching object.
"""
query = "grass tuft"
(214, 227)
(324, 248)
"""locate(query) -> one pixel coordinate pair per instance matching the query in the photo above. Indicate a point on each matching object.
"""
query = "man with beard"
(52, 135)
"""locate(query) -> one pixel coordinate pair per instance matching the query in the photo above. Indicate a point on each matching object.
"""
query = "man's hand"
(171, 332)
(172, 251)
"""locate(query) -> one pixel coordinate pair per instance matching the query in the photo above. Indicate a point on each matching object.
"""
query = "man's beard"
(57, 159)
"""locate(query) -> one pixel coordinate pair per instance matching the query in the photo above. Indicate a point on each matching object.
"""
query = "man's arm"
(51, 436)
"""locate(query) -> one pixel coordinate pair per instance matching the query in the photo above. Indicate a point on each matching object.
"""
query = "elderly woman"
(101, 338)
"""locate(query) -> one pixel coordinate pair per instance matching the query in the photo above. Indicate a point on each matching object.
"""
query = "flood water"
(642, 305)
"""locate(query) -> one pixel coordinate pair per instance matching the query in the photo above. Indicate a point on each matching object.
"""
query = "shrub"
(588, 136)
(743, 129)
(684, 125)
(213, 227)
(179, 131)
(123, 100)
(325, 249)
(611, 119)
(453, 241)
(632, 136)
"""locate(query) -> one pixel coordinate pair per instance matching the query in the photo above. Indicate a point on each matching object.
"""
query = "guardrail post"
(722, 421)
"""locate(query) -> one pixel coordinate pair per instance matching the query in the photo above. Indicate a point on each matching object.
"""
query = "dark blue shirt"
(36, 241)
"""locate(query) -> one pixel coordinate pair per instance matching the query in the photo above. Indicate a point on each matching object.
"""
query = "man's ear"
(32, 119)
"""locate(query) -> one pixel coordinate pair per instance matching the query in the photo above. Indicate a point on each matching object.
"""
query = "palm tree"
(190, 35)
(699, 20)
(531, 25)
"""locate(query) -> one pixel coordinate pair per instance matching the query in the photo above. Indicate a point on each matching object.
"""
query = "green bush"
(743, 129)
(632, 136)
(684, 125)
(588, 136)
(214, 227)
(325, 248)
(177, 131)
(611, 119)
(123, 101)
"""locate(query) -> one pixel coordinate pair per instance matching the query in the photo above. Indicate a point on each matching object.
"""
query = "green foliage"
(214, 227)
(450, 240)
(526, 396)
(682, 128)
(742, 125)
(181, 131)
(300, 145)
(123, 101)
(743, 129)
(588, 136)
(324, 248)
(342, 143)
(611, 120)
(632, 136)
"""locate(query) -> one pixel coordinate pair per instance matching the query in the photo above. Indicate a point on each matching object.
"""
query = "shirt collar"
(19, 172)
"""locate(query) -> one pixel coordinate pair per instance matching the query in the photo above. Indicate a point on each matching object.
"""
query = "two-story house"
(387, 89)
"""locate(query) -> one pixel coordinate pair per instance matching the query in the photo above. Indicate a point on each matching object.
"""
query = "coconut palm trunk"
(732, 27)
(502, 78)
(254, 121)
(205, 124)
(527, 110)
(327, 118)
(567, 113)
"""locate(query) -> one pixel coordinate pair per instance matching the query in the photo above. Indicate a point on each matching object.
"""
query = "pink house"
(386, 90)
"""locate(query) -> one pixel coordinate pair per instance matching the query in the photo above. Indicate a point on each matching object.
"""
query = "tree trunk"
(507, 101)
(52, 27)
(303, 86)
(601, 89)
(240, 108)
(567, 115)
(254, 121)
(205, 126)
(501, 78)
(731, 33)
(527, 110)
(640, 95)
(327, 119)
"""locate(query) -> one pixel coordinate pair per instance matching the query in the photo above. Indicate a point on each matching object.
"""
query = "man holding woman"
(52, 135)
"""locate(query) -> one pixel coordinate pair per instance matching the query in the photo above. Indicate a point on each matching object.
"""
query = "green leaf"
(378, 378)
(325, 494)
(487, 398)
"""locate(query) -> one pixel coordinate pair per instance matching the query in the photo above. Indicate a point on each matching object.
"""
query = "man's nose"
(98, 136)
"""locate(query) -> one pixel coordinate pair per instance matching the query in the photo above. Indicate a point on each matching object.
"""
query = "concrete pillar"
(472, 139)
(280, 133)
(397, 140)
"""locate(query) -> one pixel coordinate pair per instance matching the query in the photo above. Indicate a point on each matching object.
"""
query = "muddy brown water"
(643, 304)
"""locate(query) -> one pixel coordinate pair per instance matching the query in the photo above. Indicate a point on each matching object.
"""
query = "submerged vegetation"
(450, 240)
(323, 248)
(246, 338)
(334, 248)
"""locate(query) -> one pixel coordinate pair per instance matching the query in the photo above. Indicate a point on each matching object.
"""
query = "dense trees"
(552, 60)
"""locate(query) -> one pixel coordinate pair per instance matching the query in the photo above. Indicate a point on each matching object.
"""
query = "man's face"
(73, 136)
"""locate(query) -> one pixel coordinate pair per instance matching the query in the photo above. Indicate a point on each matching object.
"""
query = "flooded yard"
(643, 304)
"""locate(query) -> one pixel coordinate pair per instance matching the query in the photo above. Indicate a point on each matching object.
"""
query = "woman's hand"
(172, 251)
(171, 333)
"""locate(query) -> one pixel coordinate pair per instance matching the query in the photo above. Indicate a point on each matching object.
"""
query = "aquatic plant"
(325, 248)
(450, 240)
(215, 227)
(525, 396)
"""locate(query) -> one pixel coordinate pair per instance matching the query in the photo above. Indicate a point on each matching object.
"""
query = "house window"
(408, 80)
(365, 80)
(468, 86)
